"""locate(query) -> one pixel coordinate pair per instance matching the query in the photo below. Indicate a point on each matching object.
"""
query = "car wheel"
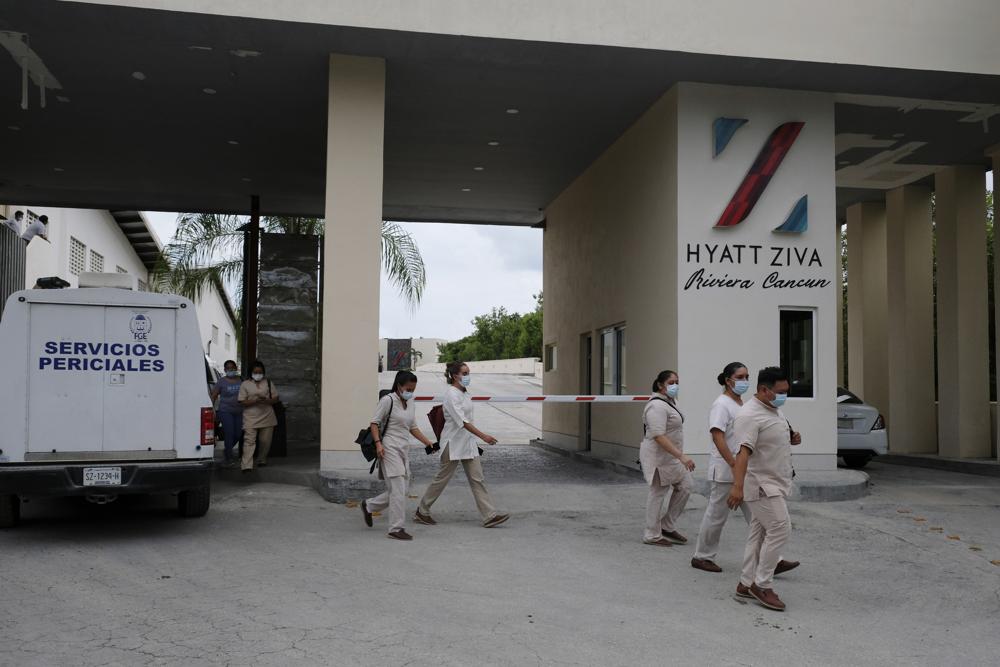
(857, 460)
(10, 511)
(194, 502)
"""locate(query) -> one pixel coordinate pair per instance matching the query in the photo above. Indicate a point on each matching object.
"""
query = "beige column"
(867, 303)
(963, 375)
(352, 247)
(840, 311)
(910, 326)
(995, 153)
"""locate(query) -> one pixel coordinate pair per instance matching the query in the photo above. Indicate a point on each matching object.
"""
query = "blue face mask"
(466, 380)
(740, 387)
(406, 395)
(672, 390)
(779, 400)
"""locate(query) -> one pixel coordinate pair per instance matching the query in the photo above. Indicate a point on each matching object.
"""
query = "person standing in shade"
(392, 425)
(762, 478)
(36, 227)
(15, 224)
(735, 380)
(664, 464)
(458, 441)
(227, 392)
(257, 396)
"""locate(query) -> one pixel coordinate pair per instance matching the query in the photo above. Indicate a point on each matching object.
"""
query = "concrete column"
(867, 302)
(355, 126)
(995, 153)
(910, 326)
(840, 313)
(963, 363)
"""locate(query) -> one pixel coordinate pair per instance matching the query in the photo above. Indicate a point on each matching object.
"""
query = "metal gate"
(12, 261)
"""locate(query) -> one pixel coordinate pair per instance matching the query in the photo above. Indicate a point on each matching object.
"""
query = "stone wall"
(287, 332)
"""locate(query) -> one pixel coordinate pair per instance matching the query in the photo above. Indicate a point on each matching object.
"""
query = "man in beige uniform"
(763, 479)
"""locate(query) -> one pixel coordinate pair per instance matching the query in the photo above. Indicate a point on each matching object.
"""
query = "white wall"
(958, 36)
(212, 312)
(527, 366)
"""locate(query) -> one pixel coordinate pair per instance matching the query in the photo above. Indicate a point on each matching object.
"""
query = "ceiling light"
(58, 169)
(14, 128)
(233, 142)
(200, 48)
(493, 143)
(898, 135)
(843, 162)
(208, 91)
(513, 111)
(62, 98)
(466, 189)
(245, 179)
(478, 168)
(138, 76)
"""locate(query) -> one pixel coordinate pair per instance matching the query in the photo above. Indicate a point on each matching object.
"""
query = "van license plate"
(102, 476)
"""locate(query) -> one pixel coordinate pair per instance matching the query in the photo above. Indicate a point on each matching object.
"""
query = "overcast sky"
(470, 269)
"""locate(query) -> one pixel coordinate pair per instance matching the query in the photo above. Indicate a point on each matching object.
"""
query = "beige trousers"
(716, 514)
(251, 438)
(394, 497)
(769, 532)
(474, 473)
(655, 522)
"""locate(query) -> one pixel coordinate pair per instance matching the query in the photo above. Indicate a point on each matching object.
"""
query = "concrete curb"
(810, 485)
(988, 468)
(342, 487)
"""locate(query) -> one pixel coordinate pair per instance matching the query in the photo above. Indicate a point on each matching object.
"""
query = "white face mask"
(257, 377)
(406, 395)
(466, 380)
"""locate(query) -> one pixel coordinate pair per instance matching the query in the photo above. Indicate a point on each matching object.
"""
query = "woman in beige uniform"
(257, 396)
(664, 464)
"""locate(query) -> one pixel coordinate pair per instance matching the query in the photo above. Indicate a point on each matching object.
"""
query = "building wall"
(616, 251)
(429, 347)
(212, 312)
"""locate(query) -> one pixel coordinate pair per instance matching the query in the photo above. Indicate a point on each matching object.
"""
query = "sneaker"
(400, 535)
(743, 591)
(705, 564)
(674, 537)
(496, 520)
(767, 598)
(658, 542)
(368, 515)
(425, 519)
(785, 566)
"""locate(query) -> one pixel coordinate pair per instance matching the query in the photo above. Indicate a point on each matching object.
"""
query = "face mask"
(779, 400)
(232, 374)
(672, 390)
(406, 395)
(257, 377)
(466, 380)
(740, 387)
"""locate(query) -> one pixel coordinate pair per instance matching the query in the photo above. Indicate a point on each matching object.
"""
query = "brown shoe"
(400, 535)
(659, 542)
(368, 515)
(705, 564)
(743, 591)
(425, 519)
(767, 598)
(785, 566)
(496, 520)
(674, 537)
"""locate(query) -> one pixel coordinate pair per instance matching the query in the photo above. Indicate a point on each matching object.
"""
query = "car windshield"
(844, 396)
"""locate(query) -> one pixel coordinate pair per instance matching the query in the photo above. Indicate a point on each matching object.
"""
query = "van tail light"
(208, 427)
(879, 424)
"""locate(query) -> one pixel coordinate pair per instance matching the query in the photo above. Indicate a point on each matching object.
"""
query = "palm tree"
(207, 249)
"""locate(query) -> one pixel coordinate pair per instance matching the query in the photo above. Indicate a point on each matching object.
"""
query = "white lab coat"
(461, 444)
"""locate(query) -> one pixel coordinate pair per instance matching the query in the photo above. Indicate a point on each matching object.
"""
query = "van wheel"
(10, 511)
(857, 460)
(194, 502)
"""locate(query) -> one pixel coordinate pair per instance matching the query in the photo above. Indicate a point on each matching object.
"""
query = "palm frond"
(403, 263)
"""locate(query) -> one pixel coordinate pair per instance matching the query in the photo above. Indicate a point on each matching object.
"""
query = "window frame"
(73, 244)
(814, 319)
(618, 382)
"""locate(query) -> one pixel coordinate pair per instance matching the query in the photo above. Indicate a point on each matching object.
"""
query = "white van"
(103, 393)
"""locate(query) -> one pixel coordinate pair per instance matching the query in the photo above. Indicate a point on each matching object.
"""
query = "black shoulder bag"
(367, 440)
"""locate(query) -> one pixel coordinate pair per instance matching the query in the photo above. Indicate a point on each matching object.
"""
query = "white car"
(861, 430)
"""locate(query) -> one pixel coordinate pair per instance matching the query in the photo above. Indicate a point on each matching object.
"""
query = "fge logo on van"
(140, 325)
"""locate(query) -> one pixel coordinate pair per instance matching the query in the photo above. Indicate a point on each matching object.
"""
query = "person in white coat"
(459, 445)
(392, 425)
(664, 464)
(735, 380)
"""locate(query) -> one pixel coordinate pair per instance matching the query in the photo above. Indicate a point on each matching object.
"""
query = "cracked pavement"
(273, 575)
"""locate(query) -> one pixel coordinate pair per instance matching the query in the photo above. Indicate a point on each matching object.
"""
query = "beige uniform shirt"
(661, 418)
(258, 415)
(395, 435)
(764, 430)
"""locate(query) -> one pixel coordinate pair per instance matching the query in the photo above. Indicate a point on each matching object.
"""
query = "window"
(613, 361)
(96, 262)
(77, 257)
(228, 341)
(143, 287)
(215, 334)
(798, 350)
(120, 269)
(550, 357)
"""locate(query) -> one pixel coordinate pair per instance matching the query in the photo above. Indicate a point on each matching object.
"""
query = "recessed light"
(138, 76)
(513, 111)
(233, 142)
(493, 143)
(208, 91)
(200, 48)
(843, 162)
(478, 168)
(62, 98)
(898, 135)
(245, 179)
(466, 189)
(14, 128)
(58, 169)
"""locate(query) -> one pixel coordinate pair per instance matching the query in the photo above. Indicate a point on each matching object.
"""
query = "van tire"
(194, 502)
(10, 511)
(857, 460)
